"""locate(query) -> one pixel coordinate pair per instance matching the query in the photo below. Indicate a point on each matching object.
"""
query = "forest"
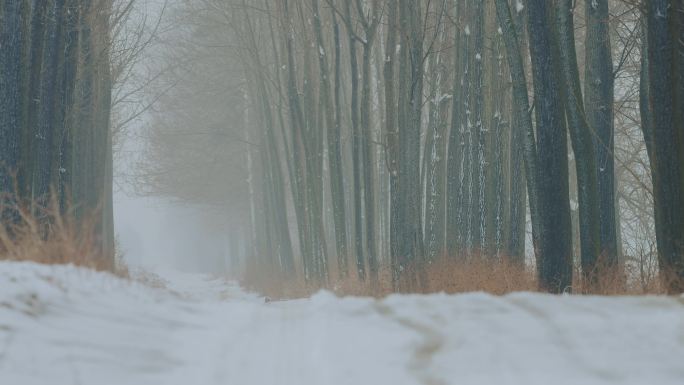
(382, 140)
(61, 63)
(364, 138)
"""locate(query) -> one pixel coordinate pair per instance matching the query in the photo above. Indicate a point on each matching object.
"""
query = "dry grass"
(444, 275)
(497, 277)
(46, 236)
(447, 275)
(272, 283)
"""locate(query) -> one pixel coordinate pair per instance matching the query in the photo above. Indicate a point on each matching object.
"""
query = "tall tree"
(598, 103)
(370, 25)
(357, 144)
(434, 158)
(12, 41)
(406, 232)
(457, 161)
(521, 113)
(665, 90)
(476, 125)
(554, 263)
(332, 126)
(582, 142)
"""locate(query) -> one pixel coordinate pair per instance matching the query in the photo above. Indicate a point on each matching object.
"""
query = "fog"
(154, 233)
(158, 223)
(342, 192)
(243, 146)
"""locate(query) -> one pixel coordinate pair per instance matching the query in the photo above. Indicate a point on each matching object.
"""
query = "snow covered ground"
(62, 325)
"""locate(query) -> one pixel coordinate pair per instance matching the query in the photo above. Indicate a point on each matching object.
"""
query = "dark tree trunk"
(357, 147)
(408, 228)
(335, 155)
(521, 113)
(49, 114)
(458, 173)
(598, 102)
(582, 143)
(665, 94)
(12, 40)
(555, 259)
(332, 127)
(478, 209)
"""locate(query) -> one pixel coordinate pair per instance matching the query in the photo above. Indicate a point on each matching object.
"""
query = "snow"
(519, 6)
(64, 325)
(439, 98)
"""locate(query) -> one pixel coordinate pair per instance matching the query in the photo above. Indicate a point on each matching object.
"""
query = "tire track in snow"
(569, 347)
(424, 353)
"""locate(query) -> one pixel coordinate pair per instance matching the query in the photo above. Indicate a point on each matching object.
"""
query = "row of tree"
(396, 132)
(55, 102)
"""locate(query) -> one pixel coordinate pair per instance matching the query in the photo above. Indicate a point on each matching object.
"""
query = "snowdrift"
(65, 325)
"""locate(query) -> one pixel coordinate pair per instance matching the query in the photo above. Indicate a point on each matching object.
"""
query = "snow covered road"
(62, 325)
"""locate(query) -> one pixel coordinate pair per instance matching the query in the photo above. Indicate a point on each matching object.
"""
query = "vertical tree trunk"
(664, 22)
(521, 112)
(478, 211)
(64, 143)
(582, 143)
(434, 158)
(555, 260)
(456, 146)
(392, 132)
(335, 139)
(366, 132)
(599, 95)
(357, 147)
(333, 136)
(408, 229)
(48, 114)
(23, 172)
(496, 115)
(11, 92)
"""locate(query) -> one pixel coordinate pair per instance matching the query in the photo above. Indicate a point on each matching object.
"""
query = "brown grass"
(272, 283)
(48, 237)
(447, 275)
(497, 277)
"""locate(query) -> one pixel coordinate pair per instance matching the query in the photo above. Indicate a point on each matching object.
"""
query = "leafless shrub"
(52, 235)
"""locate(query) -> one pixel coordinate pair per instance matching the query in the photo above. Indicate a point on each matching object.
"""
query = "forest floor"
(62, 325)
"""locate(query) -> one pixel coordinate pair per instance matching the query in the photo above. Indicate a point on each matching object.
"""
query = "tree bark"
(599, 96)
(521, 112)
(555, 259)
(582, 144)
(665, 92)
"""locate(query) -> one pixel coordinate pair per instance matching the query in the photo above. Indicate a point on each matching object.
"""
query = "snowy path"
(61, 325)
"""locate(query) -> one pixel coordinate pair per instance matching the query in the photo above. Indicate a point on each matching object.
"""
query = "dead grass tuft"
(46, 236)
(462, 275)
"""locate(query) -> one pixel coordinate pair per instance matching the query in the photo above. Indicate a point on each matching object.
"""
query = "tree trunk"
(408, 229)
(555, 259)
(11, 92)
(521, 112)
(599, 96)
(664, 22)
(333, 136)
(582, 144)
